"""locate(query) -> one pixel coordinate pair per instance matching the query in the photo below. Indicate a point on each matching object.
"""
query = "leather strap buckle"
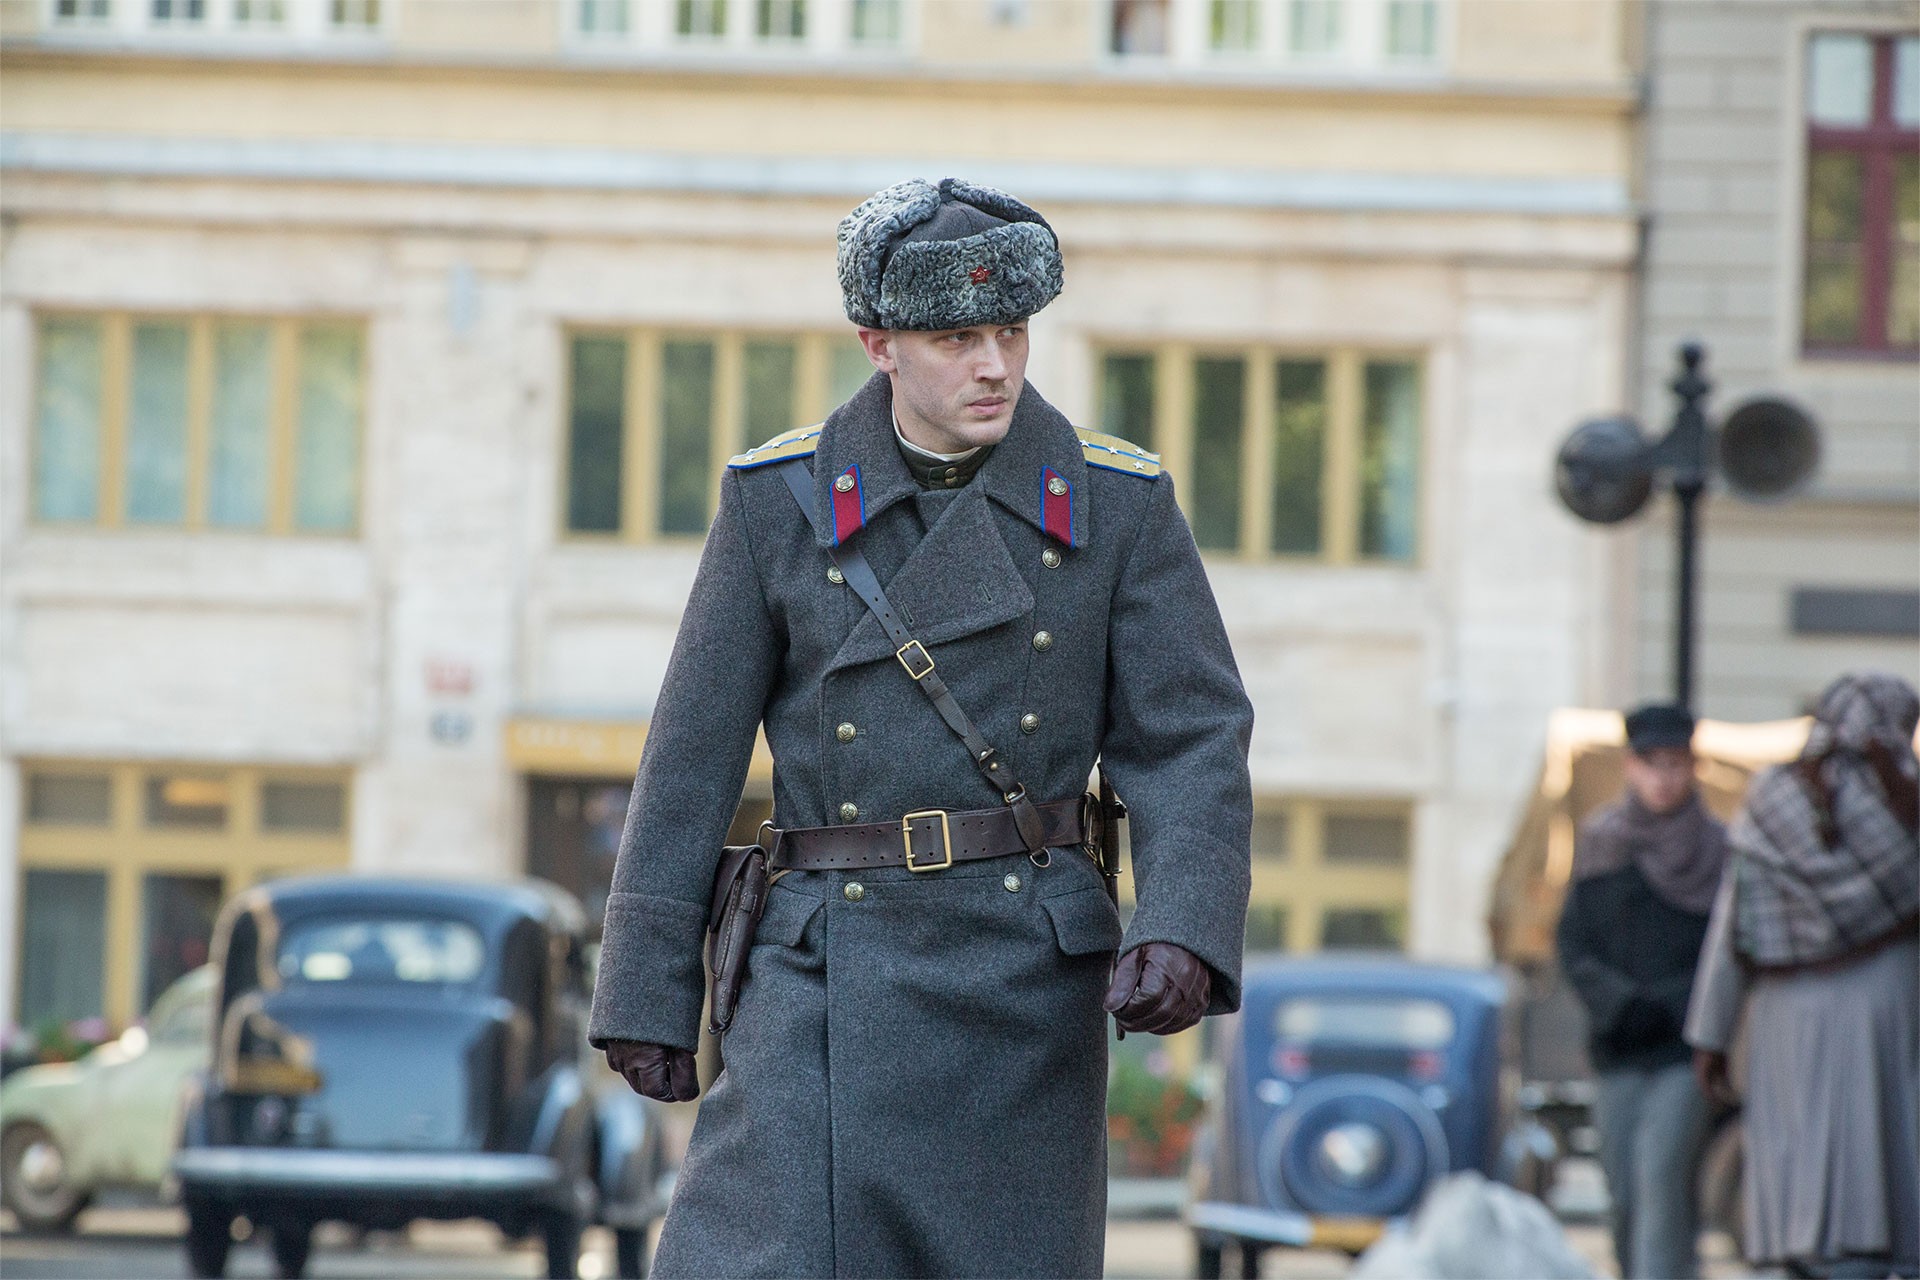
(907, 652)
(946, 839)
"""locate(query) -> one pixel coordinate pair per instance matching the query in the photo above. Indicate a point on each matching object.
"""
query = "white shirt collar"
(928, 453)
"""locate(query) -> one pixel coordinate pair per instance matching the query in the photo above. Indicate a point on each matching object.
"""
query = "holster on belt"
(1101, 815)
(739, 897)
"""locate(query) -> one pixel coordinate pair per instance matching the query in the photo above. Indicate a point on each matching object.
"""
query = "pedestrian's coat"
(916, 1075)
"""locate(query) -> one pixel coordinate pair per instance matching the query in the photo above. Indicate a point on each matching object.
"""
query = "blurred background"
(366, 368)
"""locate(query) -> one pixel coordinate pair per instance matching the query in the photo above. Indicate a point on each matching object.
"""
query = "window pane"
(303, 806)
(1412, 29)
(700, 17)
(686, 427)
(597, 384)
(1834, 259)
(237, 465)
(1139, 26)
(262, 13)
(157, 425)
(1272, 834)
(876, 22)
(599, 17)
(1299, 454)
(781, 19)
(1126, 398)
(69, 800)
(355, 13)
(1906, 81)
(1234, 25)
(1839, 79)
(66, 446)
(1370, 839)
(1903, 308)
(327, 440)
(63, 945)
(1266, 927)
(1213, 504)
(1362, 929)
(179, 912)
(1313, 26)
(187, 800)
(769, 391)
(849, 369)
(1389, 461)
(389, 949)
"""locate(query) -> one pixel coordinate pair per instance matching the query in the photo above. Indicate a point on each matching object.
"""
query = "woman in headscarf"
(1816, 932)
(1644, 874)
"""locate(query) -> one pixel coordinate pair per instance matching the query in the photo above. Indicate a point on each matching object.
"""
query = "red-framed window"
(1860, 283)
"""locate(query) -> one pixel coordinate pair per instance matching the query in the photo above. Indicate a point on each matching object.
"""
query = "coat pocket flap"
(1084, 921)
(786, 916)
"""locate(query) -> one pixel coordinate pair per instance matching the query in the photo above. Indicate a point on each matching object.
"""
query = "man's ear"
(879, 348)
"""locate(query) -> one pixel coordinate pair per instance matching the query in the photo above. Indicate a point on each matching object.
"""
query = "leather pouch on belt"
(739, 898)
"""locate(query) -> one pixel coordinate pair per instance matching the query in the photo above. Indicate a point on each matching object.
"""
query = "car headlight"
(1352, 1154)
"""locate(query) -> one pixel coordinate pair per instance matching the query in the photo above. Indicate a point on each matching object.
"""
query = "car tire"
(34, 1182)
(292, 1243)
(630, 1253)
(561, 1232)
(209, 1240)
(1208, 1260)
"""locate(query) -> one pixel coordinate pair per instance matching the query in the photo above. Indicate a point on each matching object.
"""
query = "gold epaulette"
(797, 443)
(1115, 454)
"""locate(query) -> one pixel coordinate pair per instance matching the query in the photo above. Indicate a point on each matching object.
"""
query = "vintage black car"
(1346, 1086)
(387, 1050)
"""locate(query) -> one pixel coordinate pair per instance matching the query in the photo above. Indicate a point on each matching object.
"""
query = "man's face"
(1661, 779)
(953, 389)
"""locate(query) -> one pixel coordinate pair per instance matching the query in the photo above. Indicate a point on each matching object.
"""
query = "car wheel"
(209, 1240)
(292, 1242)
(630, 1253)
(1208, 1260)
(562, 1234)
(34, 1180)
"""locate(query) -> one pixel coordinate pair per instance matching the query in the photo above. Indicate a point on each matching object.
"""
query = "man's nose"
(993, 362)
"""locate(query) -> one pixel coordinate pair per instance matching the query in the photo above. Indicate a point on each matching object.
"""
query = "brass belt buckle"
(946, 840)
(908, 653)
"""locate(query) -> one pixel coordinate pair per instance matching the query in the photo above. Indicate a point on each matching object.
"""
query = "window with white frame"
(603, 17)
(1233, 26)
(1313, 27)
(700, 19)
(780, 20)
(178, 13)
(1412, 30)
(82, 12)
(252, 14)
(875, 23)
(1139, 28)
(353, 15)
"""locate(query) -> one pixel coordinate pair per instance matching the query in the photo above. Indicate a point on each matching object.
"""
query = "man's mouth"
(988, 403)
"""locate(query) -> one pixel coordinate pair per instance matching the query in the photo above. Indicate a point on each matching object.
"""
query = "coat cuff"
(1210, 924)
(651, 984)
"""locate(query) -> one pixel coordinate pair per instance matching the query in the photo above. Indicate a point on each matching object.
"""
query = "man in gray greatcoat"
(915, 1073)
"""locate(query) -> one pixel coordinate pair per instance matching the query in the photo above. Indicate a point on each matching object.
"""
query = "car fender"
(57, 1096)
(629, 1146)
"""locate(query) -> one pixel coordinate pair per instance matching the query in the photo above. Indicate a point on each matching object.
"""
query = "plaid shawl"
(1825, 858)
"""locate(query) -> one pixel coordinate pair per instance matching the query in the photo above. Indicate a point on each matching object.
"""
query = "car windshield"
(385, 949)
(1387, 1022)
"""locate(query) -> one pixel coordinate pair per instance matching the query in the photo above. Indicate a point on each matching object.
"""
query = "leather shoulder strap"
(918, 663)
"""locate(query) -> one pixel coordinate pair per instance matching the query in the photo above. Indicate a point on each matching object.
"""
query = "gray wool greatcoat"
(915, 1077)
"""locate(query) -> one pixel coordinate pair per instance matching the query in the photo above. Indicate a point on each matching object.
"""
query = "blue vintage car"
(1347, 1085)
(386, 1050)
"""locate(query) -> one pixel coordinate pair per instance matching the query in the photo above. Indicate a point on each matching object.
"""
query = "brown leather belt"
(930, 840)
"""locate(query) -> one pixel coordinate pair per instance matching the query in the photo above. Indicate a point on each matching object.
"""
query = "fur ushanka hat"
(920, 256)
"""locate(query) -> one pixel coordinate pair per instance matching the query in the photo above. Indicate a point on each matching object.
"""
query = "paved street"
(143, 1244)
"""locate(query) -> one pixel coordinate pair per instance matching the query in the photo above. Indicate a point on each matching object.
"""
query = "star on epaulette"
(1114, 454)
(797, 443)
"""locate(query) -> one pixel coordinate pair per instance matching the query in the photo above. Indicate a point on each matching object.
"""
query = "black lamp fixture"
(1767, 449)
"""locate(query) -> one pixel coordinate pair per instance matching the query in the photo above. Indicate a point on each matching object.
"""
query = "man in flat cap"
(944, 604)
(1645, 872)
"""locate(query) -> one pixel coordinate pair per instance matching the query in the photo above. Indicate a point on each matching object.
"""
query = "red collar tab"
(1056, 505)
(849, 504)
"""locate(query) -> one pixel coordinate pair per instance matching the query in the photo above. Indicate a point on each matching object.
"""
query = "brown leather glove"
(656, 1070)
(1159, 988)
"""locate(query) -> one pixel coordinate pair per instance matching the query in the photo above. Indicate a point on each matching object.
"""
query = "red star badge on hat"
(979, 275)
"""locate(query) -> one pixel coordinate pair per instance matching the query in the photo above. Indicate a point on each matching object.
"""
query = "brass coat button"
(849, 811)
(843, 484)
(1043, 640)
(1012, 883)
(846, 732)
(1056, 486)
(836, 577)
(1030, 723)
(1050, 558)
(854, 891)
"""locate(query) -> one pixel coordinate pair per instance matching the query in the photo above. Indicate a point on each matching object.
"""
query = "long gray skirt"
(915, 1082)
(1833, 1101)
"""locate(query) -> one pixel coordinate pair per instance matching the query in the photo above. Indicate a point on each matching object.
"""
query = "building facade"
(1782, 189)
(368, 366)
